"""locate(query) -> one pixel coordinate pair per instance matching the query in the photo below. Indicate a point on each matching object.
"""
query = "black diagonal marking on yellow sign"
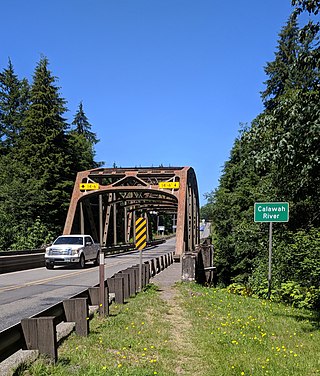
(141, 233)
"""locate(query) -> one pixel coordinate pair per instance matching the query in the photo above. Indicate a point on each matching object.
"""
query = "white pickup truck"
(69, 249)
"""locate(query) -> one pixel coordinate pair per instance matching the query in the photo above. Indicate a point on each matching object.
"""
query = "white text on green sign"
(271, 212)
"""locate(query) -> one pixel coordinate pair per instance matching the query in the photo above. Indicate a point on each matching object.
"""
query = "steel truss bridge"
(120, 195)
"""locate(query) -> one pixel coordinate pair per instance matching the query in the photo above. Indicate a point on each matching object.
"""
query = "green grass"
(203, 331)
(246, 336)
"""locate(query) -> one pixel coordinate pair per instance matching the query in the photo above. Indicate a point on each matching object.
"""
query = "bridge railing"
(74, 313)
(13, 261)
(198, 265)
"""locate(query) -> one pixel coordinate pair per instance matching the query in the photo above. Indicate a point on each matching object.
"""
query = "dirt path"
(187, 360)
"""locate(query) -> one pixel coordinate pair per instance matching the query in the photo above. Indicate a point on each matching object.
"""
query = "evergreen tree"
(21, 196)
(81, 143)
(43, 147)
(277, 158)
(311, 6)
(284, 71)
(13, 104)
(289, 128)
(83, 127)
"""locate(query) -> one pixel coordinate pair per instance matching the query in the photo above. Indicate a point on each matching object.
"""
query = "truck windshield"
(69, 240)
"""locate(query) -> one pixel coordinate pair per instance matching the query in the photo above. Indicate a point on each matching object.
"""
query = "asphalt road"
(28, 292)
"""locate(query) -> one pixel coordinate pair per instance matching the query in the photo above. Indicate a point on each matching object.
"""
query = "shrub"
(299, 296)
(238, 289)
(34, 237)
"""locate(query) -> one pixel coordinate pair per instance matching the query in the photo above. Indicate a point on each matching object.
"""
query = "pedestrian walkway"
(166, 279)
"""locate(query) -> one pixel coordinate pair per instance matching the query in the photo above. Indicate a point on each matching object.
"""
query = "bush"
(34, 237)
(297, 258)
(289, 292)
(238, 289)
(299, 296)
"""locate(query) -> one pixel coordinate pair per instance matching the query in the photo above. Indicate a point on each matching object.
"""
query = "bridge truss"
(108, 213)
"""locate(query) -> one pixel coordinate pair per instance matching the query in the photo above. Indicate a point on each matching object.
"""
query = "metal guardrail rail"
(13, 339)
(12, 261)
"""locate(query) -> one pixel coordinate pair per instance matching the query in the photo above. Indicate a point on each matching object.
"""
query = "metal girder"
(123, 191)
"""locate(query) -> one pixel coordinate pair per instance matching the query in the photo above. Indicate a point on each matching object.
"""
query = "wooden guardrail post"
(40, 334)
(95, 298)
(147, 272)
(152, 268)
(77, 310)
(126, 284)
(158, 268)
(135, 269)
(143, 274)
(162, 262)
(136, 277)
(115, 285)
(166, 260)
(132, 280)
(94, 295)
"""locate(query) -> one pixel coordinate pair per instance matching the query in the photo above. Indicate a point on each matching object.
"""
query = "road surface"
(28, 292)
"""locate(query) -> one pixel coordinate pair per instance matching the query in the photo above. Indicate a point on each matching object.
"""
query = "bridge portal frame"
(135, 190)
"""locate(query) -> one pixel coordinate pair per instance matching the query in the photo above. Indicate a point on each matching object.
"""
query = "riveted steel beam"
(123, 191)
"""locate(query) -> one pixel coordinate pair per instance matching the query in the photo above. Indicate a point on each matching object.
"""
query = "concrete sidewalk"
(167, 278)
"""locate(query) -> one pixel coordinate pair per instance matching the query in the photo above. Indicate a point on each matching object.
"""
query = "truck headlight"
(76, 251)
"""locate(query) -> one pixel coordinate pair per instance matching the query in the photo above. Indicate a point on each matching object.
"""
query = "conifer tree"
(276, 159)
(282, 71)
(82, 125)
(289, 128)
(311, 6)
(13, 104)
(43, 146)
(81, 142)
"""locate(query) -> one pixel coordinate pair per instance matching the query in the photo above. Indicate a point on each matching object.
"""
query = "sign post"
(270, 258)
(141, 242)
(271, 212)
(102, 300)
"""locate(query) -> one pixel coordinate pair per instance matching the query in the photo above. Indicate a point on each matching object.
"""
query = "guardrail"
(29, 334)
(13, 261)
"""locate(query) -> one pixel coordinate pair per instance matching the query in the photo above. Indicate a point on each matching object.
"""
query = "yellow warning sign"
(88, 186)
(169, 184)
(141, 233)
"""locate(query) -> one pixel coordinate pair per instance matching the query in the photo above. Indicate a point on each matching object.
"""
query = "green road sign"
(271, 212)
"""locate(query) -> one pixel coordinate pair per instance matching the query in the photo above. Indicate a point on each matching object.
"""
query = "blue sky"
(162, 81)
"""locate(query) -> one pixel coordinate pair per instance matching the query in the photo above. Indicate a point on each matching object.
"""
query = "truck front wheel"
(82, 262)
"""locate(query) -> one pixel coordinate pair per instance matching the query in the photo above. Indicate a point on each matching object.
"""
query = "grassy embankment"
(199, 331)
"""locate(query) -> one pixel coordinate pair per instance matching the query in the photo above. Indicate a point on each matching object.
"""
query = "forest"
(276, 158)
(40, 156)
